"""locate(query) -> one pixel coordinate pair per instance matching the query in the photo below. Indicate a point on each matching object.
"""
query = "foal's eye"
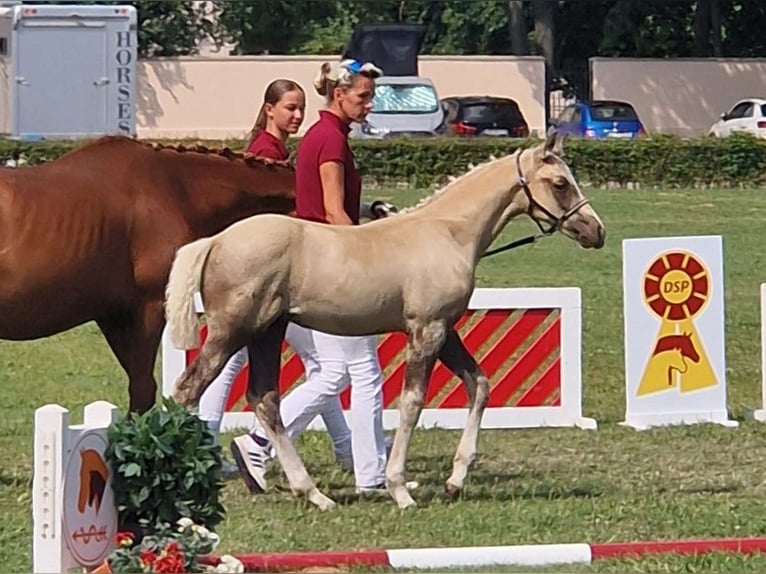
(561, 184)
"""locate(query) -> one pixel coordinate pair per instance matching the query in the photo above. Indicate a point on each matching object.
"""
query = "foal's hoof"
(452, 490)
(402, 497)
(321, 501)
(406, 502)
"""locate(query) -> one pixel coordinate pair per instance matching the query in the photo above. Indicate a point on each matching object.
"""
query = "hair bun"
(321, 79)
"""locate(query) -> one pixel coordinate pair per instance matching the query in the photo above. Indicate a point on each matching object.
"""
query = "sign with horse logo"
(89, 511)
(674, 331)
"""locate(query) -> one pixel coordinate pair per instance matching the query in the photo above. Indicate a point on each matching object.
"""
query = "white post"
(51, 434)
(99, 414)
(67, 532)
(571, 359)
(760, 414)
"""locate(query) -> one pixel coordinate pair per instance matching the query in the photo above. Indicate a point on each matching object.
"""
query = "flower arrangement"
(166, 449)
(169, 550)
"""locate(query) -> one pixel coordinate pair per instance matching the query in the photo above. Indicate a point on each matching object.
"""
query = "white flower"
(229, 564)
(184, 522)
(214, 539)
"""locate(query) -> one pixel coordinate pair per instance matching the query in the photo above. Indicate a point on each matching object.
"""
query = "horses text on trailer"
(68, 71)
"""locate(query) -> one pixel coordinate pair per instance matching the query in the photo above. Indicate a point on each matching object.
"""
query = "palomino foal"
(267, 270)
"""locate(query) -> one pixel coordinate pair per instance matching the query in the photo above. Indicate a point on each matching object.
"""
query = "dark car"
(484, 116)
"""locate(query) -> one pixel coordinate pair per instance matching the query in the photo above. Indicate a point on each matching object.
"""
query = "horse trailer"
(67, 70)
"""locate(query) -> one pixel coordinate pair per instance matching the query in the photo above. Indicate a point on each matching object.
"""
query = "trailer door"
(61, 79)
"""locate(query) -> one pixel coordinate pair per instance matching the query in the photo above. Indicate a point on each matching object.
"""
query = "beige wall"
(680, 96)
(218, 97)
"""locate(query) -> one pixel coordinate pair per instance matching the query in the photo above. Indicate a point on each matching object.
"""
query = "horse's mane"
(451, 181)
(198, 148)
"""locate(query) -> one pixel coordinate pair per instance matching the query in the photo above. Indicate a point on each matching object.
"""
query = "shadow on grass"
(481, 487)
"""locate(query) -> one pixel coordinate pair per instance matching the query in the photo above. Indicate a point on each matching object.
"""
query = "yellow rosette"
(676, 289)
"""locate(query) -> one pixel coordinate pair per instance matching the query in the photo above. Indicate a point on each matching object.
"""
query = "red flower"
(124, 539)
(170, 563)
(172, 547)
(148, 557)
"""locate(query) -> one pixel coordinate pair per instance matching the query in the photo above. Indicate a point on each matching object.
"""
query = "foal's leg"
(424, 344)
(215, 352)
(457, 359)
(265, 354)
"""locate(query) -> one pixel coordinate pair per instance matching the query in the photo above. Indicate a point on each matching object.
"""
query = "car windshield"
(613, 112)
(404, 98)
(491, 112)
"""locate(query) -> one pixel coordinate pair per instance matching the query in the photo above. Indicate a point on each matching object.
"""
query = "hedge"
(658, 161)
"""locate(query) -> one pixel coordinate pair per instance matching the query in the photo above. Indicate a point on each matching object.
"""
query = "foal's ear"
(554, 143)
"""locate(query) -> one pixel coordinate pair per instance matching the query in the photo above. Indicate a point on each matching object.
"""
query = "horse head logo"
(687, 348)
(681, 344)
(94, 476)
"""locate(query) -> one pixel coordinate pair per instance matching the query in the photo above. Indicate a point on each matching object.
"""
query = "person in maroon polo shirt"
(281, 114)
(328, 190)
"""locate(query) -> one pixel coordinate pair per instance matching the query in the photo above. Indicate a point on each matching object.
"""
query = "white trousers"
(344, 360)
(213, 401)
(331, 363)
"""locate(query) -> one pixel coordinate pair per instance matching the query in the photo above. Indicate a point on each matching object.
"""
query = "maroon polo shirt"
(326, 140)
(268, 145)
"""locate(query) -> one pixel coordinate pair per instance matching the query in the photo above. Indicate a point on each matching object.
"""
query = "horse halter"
(558, 222)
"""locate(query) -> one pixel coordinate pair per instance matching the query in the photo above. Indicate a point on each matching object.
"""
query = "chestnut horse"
(91, 236)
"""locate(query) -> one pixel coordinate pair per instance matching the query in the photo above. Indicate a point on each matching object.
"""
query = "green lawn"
(527, 486)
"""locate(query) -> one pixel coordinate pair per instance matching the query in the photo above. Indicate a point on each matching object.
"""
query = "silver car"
(403, 105)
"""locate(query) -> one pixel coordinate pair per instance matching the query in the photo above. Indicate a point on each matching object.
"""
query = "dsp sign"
(674, 331)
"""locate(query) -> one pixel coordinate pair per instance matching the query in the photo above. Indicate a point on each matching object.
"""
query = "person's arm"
(331, 174)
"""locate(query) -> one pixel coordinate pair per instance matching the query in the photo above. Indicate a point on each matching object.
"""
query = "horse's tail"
(183, 283)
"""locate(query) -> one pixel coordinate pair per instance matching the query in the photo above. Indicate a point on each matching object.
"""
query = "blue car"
(599, 119)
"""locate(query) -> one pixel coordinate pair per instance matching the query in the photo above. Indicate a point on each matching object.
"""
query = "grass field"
(555, 485)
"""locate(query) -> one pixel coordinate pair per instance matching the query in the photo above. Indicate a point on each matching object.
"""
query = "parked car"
(747, 115)
(484, 116)
(402, 105)
(599, 119)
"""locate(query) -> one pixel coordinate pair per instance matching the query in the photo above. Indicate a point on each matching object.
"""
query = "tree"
(744, 22)
(170, 27)
(270, 26)
(518, 28)
(545, 29)
(707, 28)
(647, 29)
(165, 27)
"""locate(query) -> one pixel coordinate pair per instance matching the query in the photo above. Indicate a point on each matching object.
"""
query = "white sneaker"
(251, 459)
